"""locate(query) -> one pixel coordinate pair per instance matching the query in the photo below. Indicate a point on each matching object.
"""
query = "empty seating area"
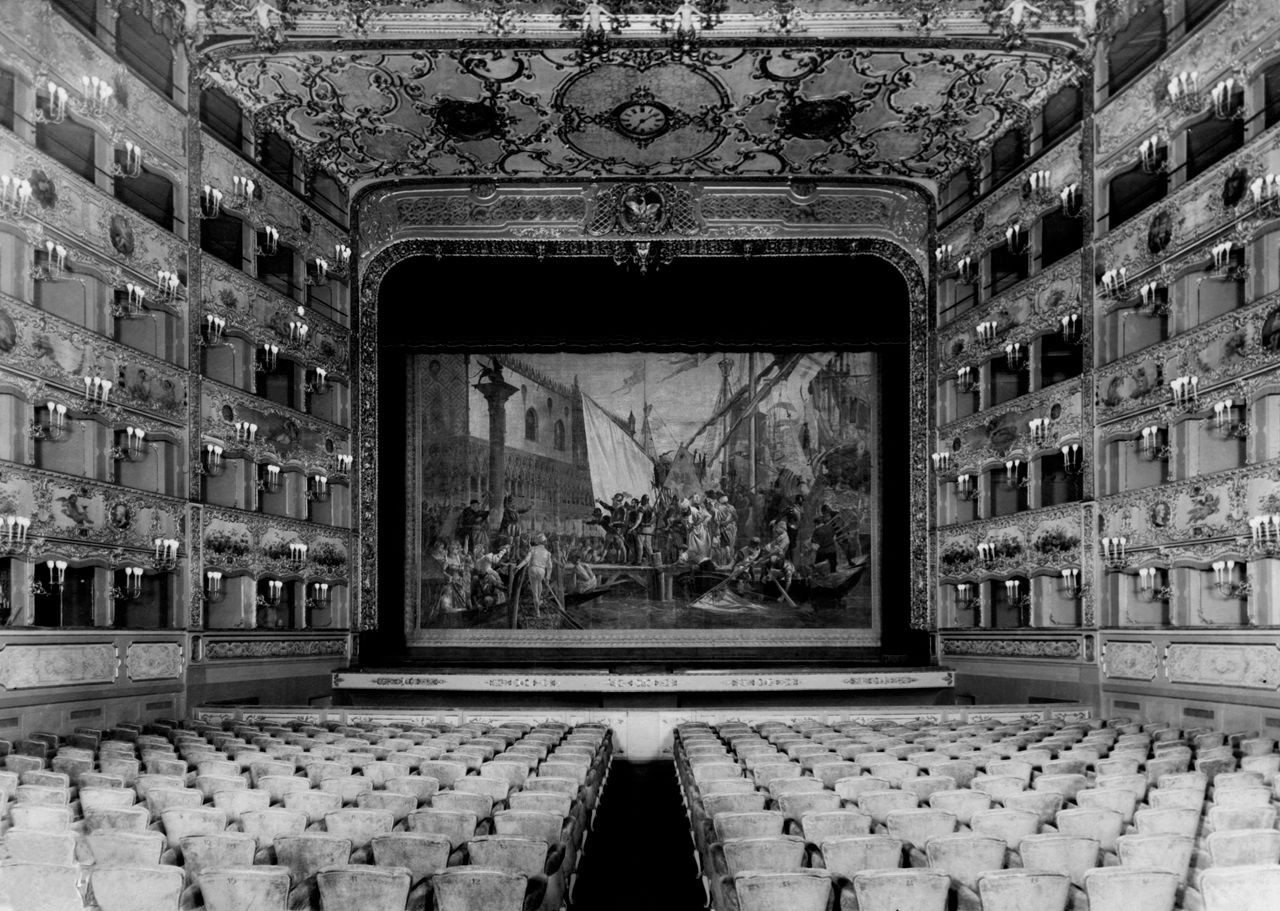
(1111, 815)
(396, 817)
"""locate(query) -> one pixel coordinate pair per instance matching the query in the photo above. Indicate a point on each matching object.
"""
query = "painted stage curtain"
(617, 462)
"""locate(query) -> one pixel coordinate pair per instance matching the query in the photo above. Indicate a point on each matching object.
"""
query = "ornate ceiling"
(651, 88)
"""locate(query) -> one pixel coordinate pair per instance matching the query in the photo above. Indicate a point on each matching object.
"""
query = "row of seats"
(1105, 815)
(184, 816)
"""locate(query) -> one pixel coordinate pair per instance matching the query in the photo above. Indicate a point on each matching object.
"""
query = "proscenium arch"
(909, 265)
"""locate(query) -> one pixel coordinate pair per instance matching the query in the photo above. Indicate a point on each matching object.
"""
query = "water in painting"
(695, 490)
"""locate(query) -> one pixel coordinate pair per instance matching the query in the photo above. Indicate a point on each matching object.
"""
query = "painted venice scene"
(639, 491)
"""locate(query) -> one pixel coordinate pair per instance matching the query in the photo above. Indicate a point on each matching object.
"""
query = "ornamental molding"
(1255, 667)
(1127, 660)
(1016, 647)
(153, 661)
(247, 649)
(24, 667)
(603, 682)
(57, 354)
(365, 395)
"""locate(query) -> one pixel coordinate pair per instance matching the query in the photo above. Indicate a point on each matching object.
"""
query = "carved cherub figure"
(1018, 10)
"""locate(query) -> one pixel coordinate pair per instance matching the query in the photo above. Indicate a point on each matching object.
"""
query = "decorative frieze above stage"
(685, 682)
(643, 734)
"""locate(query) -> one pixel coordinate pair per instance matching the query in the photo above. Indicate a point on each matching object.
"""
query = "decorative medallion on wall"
(654, 208)
(121, 234)
(468, 121)
(1159, 232)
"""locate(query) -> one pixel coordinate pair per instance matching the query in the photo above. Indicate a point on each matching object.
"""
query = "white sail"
(617, 463)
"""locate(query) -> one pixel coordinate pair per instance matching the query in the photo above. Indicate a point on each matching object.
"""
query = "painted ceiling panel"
(645, 110)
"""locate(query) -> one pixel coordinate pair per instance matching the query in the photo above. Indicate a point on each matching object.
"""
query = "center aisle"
(639, 856)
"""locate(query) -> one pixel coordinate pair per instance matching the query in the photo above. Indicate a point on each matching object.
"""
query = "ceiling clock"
(641, 119)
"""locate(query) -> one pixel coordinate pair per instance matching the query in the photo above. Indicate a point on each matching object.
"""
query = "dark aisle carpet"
(639, 857)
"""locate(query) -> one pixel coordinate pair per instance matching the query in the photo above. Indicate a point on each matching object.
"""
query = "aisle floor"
(639, 857)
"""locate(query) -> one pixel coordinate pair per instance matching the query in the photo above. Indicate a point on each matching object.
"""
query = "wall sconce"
(270, 479)
(267, 362)
(246, 432)
(15, 194)
(214, 592)
(212, 461)
(55, 110)
(942, 257)
(966, 379)
(1184, 91)
(1071, 583)
(131, 306)
(966, 270)
(13, 534)
(341, 259)
(54, 265)
(987, 552)
(297, 553)
(966, 487)
(242, 192)
(1072, 200)
(134, 448)
(1155, 444)
(1115, 283)
(210, 201)
(966, 597)
(165, 557)
(1017, 239)
(57, 572)
(1154, 299)
(1013, 595)
(318, 273)
(1073, 459)
(318, 488)
(1070, 331)
(97, 393)
(320, 596)
(986, 331)
(1225, 261)
(215, 328)
(272, 243)
(1039, 428)
(1039, 188)
(1265, 193)
(132, 584)
(1114, 552)
(1228, 104)
(55, 429)
(1186, 392)
(275, 591)
(1225, 426)
(96, 95)
(1015, 474)
(132, 166)
(1264, 533)
(342, 463)
(941, 461)
(1015, 355)
(1224, 580)
(1152, 586)
(298, 332)
(319, 382)
(168, 285)
(1152, 155)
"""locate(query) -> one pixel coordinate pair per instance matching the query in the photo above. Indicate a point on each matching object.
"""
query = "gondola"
(833, 586)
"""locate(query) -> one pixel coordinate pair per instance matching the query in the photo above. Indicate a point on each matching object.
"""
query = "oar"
(785, 596)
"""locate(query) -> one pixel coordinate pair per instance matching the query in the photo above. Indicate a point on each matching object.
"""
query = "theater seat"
(794, 890)
(137, 888)
(1023, 890)
(896, 890)
(260, 888)
(1130, 889)
(479, 889)
(41, 887)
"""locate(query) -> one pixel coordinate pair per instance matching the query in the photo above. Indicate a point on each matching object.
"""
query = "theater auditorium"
(595, 455)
